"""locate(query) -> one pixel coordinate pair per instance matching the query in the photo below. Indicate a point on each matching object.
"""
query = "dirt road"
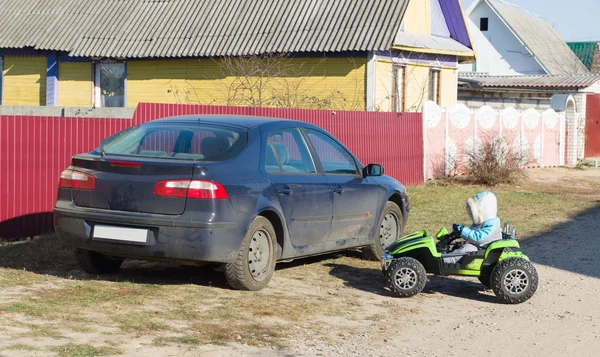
(342, 309)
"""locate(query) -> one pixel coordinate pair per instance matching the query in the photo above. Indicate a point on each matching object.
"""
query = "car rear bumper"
(174, 238)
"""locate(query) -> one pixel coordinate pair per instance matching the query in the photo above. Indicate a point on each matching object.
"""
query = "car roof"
(243, 121)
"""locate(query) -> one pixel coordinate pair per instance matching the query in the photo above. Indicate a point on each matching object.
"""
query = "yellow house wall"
(417, 19)
(383, 86)
(24, 81)
(205, 81)
(75, 84)
(449, 87)
(417, 86)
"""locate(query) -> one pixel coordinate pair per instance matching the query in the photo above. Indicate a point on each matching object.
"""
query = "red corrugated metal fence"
(34, 150)
(394, 140)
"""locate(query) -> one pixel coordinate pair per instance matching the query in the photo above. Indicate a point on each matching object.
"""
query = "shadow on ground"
(373, 281)
(572, 246)
(46, 255)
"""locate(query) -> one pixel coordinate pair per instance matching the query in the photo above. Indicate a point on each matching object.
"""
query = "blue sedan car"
(246, 192)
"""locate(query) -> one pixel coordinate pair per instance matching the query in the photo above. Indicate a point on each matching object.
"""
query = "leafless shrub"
(492, 162)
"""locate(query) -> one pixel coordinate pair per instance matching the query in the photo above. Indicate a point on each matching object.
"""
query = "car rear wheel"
(391, 226)
(255, 260)
(96, 263)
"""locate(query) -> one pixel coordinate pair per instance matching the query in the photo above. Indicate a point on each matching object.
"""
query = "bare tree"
(277, 80)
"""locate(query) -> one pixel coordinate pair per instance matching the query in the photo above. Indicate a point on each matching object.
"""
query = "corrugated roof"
(585, 51)
(523, 81)
(199, 28)
(430, 42)
(541, 39)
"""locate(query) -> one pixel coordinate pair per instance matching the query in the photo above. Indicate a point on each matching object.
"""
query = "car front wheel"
(255, 260)
(391, 226)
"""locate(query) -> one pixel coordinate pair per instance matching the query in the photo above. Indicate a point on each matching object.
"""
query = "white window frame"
(97, 91)
(399, 88)
(435, 78)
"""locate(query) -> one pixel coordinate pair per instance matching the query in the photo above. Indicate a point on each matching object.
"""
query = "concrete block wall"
(500, 100)
(125, 113)
(536, 136)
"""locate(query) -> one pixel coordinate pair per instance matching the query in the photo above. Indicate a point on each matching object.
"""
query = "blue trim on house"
(1, 77)
(22, 52)
(52, 80)
(125, 84)
(65, 58)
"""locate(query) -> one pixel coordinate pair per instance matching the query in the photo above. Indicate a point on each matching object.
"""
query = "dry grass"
(434, 206)
(73, 350)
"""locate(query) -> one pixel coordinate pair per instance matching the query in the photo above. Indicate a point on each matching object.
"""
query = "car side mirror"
(373, 170)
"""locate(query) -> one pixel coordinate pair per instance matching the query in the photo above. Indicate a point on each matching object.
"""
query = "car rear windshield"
(200, 142)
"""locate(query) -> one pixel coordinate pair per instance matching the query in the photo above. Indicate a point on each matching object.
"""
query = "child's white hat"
(482, 207)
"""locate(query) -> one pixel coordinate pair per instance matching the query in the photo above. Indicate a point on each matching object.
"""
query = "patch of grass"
(77, 297)
(252, 333)
(139, 322)
(29, 308)
(179, 340)
(13, 277)
(433, 207)
(37, 330)
(21, 347)
(73, 350)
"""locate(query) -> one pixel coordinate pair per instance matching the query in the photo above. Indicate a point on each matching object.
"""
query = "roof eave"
(466, 54)
(516, 35)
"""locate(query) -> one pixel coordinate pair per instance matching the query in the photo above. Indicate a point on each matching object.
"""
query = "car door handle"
(286, 191)
(338, 189)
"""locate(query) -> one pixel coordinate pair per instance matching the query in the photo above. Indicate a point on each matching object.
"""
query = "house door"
(592, 126)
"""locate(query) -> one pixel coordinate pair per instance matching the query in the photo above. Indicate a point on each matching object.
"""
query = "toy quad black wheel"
(486, 277)
(486, 280)
(406, 277)
(514, 280)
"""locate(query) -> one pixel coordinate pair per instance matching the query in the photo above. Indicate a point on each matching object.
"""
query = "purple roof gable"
(455, 21)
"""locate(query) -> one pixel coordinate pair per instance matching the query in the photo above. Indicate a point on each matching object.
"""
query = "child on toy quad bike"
(483, 211)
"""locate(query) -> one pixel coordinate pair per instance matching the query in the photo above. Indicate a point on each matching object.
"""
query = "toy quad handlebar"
(446, 238)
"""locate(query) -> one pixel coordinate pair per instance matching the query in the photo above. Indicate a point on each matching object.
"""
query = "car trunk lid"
(128, 184)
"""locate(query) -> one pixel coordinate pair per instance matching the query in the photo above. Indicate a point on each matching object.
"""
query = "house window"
(434, 85)
(483, 24)
(109, 85)
(399, 89)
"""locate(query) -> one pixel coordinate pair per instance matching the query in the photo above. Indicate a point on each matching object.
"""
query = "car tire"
(514, 280)
(385, 232)
(96, 263)
(250, 270)
(406, 277)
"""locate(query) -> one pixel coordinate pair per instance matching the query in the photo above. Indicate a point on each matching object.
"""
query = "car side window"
(271, 162)
(334, 158)
(288, 153)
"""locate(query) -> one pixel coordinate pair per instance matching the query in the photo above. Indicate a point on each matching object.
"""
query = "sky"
(574, 20)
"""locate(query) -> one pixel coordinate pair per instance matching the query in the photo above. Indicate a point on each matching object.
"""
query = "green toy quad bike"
(501, 266)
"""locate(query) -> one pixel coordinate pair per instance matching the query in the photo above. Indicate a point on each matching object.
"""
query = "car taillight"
(77, 180)
(190, 189)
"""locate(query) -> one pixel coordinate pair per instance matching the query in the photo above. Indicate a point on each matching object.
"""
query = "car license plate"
(121, 234)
